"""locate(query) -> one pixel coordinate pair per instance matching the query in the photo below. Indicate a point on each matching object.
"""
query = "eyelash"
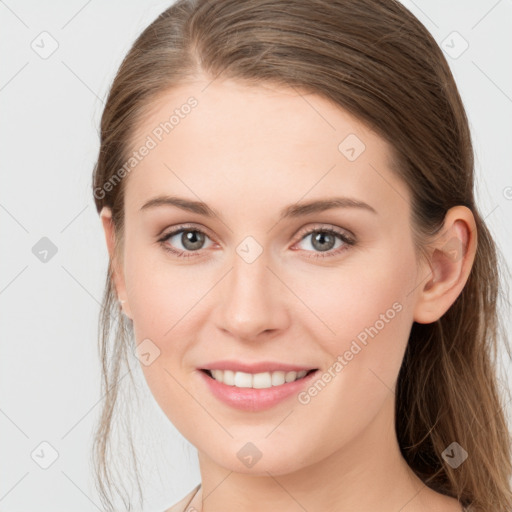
(347, 241)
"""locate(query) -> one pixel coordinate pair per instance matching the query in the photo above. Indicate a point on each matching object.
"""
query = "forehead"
(213, 139)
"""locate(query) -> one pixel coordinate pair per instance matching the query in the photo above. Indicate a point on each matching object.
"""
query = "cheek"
(162, 298)
(161, 293)
(347, 300)
(168, 304)
(370, 312)
(364, 314)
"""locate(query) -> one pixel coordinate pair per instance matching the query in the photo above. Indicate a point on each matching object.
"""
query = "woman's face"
(256, 288)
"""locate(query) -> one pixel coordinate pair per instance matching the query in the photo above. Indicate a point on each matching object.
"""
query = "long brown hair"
(377, 61)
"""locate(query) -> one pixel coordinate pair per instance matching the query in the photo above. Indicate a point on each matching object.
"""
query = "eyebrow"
(291, 211)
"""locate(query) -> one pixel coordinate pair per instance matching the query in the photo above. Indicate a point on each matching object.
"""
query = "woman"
(296, 257)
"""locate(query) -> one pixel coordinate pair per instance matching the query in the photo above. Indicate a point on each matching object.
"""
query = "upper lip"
(259, 367)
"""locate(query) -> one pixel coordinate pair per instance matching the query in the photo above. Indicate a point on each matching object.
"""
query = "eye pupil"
(319, 239)
(192, 240)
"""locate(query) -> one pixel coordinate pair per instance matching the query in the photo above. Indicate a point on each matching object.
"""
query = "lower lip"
(251, 399)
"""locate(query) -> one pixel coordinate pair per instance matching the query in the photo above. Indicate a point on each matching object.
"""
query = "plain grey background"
(58, 61)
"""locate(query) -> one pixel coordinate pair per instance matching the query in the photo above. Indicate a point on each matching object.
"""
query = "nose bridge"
(250, 276)
(251, 302)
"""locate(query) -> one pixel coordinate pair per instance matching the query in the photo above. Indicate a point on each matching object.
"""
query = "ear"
(117, 268)
(450, 258)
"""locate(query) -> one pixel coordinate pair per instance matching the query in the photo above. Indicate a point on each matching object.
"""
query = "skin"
(248, 152)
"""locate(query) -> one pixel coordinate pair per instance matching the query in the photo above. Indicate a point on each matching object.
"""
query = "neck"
(367, 473)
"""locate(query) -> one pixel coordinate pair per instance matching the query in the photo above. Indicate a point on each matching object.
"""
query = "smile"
(262, 380)
(254, 392)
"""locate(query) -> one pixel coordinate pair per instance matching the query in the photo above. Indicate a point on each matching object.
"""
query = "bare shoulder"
(180, 506)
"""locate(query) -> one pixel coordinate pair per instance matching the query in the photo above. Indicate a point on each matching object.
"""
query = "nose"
(253, 300)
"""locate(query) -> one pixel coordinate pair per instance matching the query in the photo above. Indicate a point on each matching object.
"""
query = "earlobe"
(117, 271)
(451, 257)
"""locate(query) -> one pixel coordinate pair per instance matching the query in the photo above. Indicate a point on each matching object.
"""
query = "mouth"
(262, 380)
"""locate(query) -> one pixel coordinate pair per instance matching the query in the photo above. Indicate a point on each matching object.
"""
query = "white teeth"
(256, 380)
(243, 380)
(228, 378)
(277, 378)
(217, 374)
(261, 380)
(290, 376)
